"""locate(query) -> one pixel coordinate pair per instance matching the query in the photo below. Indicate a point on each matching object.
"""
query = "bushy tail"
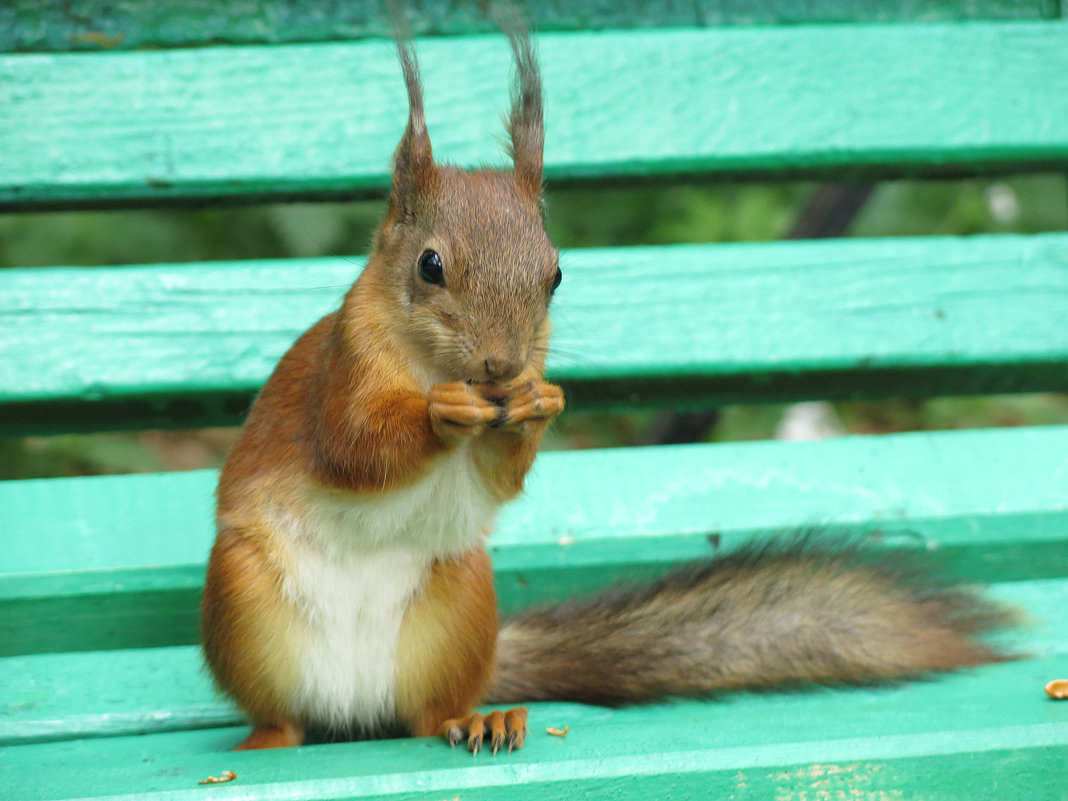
(767, 615)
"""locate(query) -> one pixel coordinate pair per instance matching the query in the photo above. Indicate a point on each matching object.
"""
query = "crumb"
(225, 776)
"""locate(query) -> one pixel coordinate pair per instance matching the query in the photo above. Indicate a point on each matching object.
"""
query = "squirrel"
(349, 592)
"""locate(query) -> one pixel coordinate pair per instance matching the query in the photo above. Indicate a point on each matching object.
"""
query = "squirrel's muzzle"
(502, 368)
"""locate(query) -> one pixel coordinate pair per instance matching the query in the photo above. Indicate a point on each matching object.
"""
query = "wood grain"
(54, 697)
(918, 738)
(189, 344)
(117, 562)
(321, 120)
(29, 25)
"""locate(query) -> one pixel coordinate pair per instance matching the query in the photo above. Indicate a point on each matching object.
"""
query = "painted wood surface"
(117, 562)
(62, 696)
(992, 726)
(321, 120)
(184, 344)
(49, 25)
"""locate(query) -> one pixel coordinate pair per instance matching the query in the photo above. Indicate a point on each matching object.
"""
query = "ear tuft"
(524, 122)
(413, 160)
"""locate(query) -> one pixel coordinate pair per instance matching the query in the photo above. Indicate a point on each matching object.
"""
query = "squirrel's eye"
(556, 280)
(430, 269)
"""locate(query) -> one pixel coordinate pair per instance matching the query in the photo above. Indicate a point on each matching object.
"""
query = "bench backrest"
(318, 119)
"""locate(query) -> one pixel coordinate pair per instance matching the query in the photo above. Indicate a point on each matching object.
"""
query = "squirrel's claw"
(453, 733)
(474, 739)
(533, 403)
(499, 727)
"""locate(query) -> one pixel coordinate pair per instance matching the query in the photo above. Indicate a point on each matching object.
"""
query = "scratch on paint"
(831, 783)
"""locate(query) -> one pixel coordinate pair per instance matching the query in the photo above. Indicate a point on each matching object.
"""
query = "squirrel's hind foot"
(499, 727)
(283, 735)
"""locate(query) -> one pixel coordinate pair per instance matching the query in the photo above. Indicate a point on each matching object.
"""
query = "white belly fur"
(354, 563)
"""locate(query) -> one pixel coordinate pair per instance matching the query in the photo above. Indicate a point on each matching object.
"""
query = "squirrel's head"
(462, 257)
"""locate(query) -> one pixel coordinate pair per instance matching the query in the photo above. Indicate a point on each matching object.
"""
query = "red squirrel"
(349, 592)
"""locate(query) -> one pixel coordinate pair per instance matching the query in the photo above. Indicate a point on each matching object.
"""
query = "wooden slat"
(321, 120)
(52, 697)
(64, 696)
(34, 25)
(190, 344)
(992, 728)
(117, 562)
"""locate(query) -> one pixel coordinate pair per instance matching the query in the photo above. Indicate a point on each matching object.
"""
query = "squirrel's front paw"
(499, 727)
(458, 411)
(530, 405)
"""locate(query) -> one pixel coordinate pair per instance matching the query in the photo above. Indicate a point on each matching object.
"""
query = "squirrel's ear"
(525, 127)
(413, 160)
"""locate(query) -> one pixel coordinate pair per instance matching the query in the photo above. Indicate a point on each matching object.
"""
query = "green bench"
(157, 103)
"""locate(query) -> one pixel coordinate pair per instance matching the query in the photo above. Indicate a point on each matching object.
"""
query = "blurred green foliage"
(76, 454)
(576, 218)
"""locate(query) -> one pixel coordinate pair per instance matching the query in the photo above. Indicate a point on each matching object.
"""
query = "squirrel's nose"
(501, 368)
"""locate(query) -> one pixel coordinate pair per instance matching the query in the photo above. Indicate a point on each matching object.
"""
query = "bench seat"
(924, 739)
(64, 696)
(118, 561)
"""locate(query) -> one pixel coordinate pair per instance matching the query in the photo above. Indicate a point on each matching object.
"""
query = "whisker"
(566, 359)
(405, 366)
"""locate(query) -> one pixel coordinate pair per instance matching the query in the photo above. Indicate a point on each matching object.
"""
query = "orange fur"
(244, 627)
(284, 735)
(505, 461)
(447, 644)
(369, 424)
(356, 424)
(528, 405)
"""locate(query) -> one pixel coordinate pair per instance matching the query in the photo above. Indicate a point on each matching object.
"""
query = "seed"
(1058, 688)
